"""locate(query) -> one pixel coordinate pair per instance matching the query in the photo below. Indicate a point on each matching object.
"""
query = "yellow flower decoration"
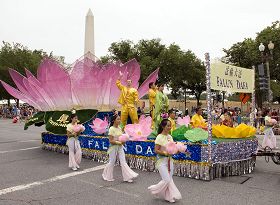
(241, 131)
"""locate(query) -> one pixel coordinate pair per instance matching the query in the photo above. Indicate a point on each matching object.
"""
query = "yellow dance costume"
(128, 98)
(152, 101)
(198, 121)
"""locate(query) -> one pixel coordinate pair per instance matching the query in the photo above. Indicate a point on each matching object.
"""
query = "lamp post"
(265, 58)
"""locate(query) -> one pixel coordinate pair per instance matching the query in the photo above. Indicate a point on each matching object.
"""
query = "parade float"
(89, 89)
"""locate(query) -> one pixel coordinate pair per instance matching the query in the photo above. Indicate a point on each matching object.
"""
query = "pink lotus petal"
(99, 126)
(144, 88)
(88, 83)
(36, 95)
(181, 147)
(28, 73)
(17, 94)
(171, 147)
(133, 72)
(20, 83)
(146, 121)
(55, 81)
(183, 121)
(138, 132)
(35, 86)
(76, 128)
(18, 79)
(82, 128)
(124, 138)
(273, 121)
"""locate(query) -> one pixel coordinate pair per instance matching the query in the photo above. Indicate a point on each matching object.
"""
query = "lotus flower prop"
(139, 132)
(184, 121)
(241, 131)
(78, 128)
(146, 121)
(99, 126)
(181, 147)
(89, 85)
(171, 148)
(273, 121)
(124, 138)
(196, 134)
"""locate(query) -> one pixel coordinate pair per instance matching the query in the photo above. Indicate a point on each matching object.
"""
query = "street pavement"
(32, 176)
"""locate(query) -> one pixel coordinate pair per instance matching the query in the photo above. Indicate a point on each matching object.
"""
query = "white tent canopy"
(5, 102)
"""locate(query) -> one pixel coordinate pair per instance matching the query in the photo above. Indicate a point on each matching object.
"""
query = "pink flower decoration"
(164, 115)
(124, 138)
(82, 128)
(171, 147)
(99, 126)
(146, 121)
(15, 119)
(181, 147)
(183, 121)
(138, 132)
(78, 128)
(273, 121)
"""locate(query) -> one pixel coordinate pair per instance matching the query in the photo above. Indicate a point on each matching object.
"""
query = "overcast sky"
(199, 25)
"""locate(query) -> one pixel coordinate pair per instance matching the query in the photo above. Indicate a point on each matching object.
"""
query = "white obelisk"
(89, 35)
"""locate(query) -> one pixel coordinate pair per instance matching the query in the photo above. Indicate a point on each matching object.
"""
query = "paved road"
(32, 176)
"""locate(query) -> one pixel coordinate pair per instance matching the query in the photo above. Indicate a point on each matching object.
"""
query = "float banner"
(139, 148)
(56, 121)
(231, 78)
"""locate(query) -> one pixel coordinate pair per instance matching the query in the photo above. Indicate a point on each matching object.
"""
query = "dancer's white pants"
(127, 173)
(166, 188)
(75, 152)
(269, 139)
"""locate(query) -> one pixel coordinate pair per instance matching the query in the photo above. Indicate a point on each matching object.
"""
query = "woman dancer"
(75, 152)
(116, 149)
(166, 188)
(269, 139)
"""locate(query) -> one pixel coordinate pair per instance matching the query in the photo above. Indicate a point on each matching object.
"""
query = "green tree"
(275, 87)
(271, 33)
(18, 57)
(149, 57)
(121, 51)
(246, 54)
(189, 77)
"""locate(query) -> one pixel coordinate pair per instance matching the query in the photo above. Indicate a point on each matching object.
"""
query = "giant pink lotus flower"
(99, 126)
(88, 85)
(141, 131)
(184, 121)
